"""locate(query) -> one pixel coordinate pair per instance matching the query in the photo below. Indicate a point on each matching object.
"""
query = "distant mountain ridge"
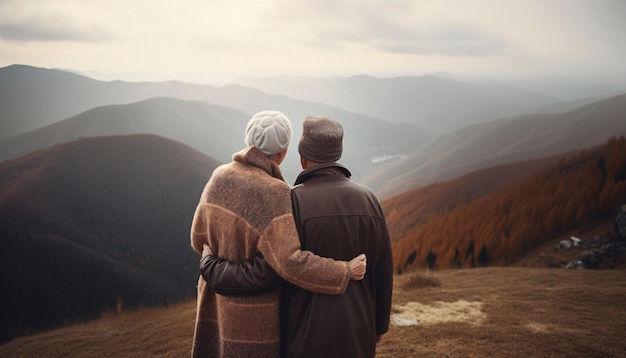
(213, 130)
(388, 157)
(87, 222)
(435, 103)
(32, 98)
(502, 141)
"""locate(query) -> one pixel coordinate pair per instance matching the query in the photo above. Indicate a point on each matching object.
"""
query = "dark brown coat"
(340, 219)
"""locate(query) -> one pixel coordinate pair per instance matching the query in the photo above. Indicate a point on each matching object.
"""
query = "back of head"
(268, 131)
(322, 139)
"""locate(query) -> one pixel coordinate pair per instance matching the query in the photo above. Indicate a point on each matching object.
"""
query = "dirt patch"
(415, 313)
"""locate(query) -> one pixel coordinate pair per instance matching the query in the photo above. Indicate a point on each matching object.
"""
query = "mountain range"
(31, 99)
(211, 129)
(99, 180)
(502, 141)
(435, 103)
(389, 157)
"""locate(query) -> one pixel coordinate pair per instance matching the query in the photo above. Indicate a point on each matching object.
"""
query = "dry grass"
(495, 312)
(154, 332)
(420, 280)
(526, 312)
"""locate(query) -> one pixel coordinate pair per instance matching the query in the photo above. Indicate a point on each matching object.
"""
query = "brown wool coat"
(245, 209)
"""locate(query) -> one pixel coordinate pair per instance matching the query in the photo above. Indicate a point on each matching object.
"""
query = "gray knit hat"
(268, 131)
(321, 139)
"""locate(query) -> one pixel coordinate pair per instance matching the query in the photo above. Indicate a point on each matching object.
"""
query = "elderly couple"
(302, 272)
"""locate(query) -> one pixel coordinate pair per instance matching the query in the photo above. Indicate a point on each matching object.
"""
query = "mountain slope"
(213, 130)
(92, 221)
(420, 205)
(509, 217)
(32, 97)
(503, 141)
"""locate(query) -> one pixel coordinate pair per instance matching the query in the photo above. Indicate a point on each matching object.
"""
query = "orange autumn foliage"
(497, 215)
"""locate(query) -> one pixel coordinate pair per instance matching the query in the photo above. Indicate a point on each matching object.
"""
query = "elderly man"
(335, 218)
(245, 210)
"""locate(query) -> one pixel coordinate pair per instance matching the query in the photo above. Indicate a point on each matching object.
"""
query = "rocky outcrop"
(606, 252)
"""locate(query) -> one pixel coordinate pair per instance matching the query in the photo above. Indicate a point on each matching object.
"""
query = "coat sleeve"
(280, 247)
(199, 225)
(199, 231)
(244, 278)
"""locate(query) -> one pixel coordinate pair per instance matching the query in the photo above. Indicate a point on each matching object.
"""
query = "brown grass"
(527, 312)
(420, 280)
(494, 312)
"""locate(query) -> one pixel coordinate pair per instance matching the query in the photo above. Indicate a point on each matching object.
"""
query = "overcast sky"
(216, 40)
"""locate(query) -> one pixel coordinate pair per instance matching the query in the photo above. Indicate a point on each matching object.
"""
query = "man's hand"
(206, 250)
(358, 266)
(379, 339)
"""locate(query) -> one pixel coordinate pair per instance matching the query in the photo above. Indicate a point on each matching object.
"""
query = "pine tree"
(431, 259)
(483, 256)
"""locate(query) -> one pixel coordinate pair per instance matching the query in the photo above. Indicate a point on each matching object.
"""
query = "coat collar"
(323, 169)
(254, 157)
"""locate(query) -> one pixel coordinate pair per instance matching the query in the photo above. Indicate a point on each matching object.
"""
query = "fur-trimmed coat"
(245, 209)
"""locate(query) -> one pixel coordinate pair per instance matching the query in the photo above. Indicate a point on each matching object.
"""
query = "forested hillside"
(502, 225)
(90, 223)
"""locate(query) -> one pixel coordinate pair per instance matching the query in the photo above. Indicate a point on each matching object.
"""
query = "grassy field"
(485, 312)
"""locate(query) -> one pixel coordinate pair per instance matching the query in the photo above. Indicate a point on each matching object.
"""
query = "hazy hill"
(572, 90)
(502, 141)
(214, 130)
(435, 103)
(88, 221)
(506, 218)
(32, 98)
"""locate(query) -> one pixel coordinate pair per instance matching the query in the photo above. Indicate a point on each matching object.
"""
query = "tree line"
(503, 226)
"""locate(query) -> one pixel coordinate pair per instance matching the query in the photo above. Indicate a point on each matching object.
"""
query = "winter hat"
(268, 131)
(321, 139)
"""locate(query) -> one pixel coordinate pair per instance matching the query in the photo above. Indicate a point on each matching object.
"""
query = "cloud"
(396, 27)
(449, 41)
(28, 21)
(317, 36)
(50, 32)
